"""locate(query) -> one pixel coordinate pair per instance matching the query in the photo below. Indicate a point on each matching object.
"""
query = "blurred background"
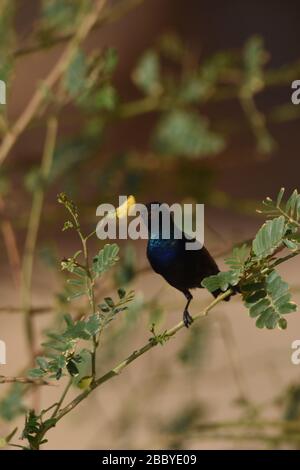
(172, 100)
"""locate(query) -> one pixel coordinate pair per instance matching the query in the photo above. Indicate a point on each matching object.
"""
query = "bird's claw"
(187, 319)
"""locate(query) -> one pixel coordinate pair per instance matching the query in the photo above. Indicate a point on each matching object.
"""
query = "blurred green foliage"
(60, 16)
(180, 133)
(12, 405)
(179, 89)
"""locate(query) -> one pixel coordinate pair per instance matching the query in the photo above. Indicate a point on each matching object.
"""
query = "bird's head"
(158, 218)
(155, 215)
(151, 210)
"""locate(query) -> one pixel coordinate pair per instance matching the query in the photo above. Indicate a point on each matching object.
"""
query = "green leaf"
(12, 404)
(291, 203)
(76, 282)
(110, 60)
(193, 90)
(254, 59)
(77, 331)
(258, 308)
(110, 309)
(289, 209)
(105, 98)
(92, 325)
(172, 47)
(34, 180)
(31, 425)
(222, 281)
(121, 293)
(147, 73)
(292, 245)
(60, 14)
(292, 207)
(69, 320)
(42, 362)
(67, 225)
(268, 301)
(104, 308)
(75, 295)
(182, 133)
(238, 257)
(269, 237)
(109, 302)
(279, 197)
(75, 77)
(82, 329)
(7, 38)
(36, 373)
(106, 258)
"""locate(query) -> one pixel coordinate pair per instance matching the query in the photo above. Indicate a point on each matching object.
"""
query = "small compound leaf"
(269, 237)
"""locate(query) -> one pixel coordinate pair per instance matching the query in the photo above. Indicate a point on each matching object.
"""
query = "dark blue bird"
(181, 268)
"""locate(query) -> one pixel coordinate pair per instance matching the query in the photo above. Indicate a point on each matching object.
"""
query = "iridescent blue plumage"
(183, 269)
(162, 251)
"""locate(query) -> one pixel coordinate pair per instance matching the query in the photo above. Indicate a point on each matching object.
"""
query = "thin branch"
(285, 258)
(143, 106)
(24, 380)
(63, 396)
(32, 232)
(122, 365)
(287, 425)
(151, 344)
(257, 122)
(91, 296)
(110, 15)
(55, 74)
(10, 242)
(272, 78)
(256, 430)
(270, 440)
(33, 310)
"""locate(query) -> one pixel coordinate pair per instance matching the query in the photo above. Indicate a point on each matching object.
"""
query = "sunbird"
(182, 268)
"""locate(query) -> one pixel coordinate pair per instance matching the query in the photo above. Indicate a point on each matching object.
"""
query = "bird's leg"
(187, 319)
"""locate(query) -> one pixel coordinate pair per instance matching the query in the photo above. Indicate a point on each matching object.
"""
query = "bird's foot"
(187, 319)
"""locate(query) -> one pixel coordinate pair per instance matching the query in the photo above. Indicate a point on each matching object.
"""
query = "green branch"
(136, 354)
(58, 415)
(32, 232)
